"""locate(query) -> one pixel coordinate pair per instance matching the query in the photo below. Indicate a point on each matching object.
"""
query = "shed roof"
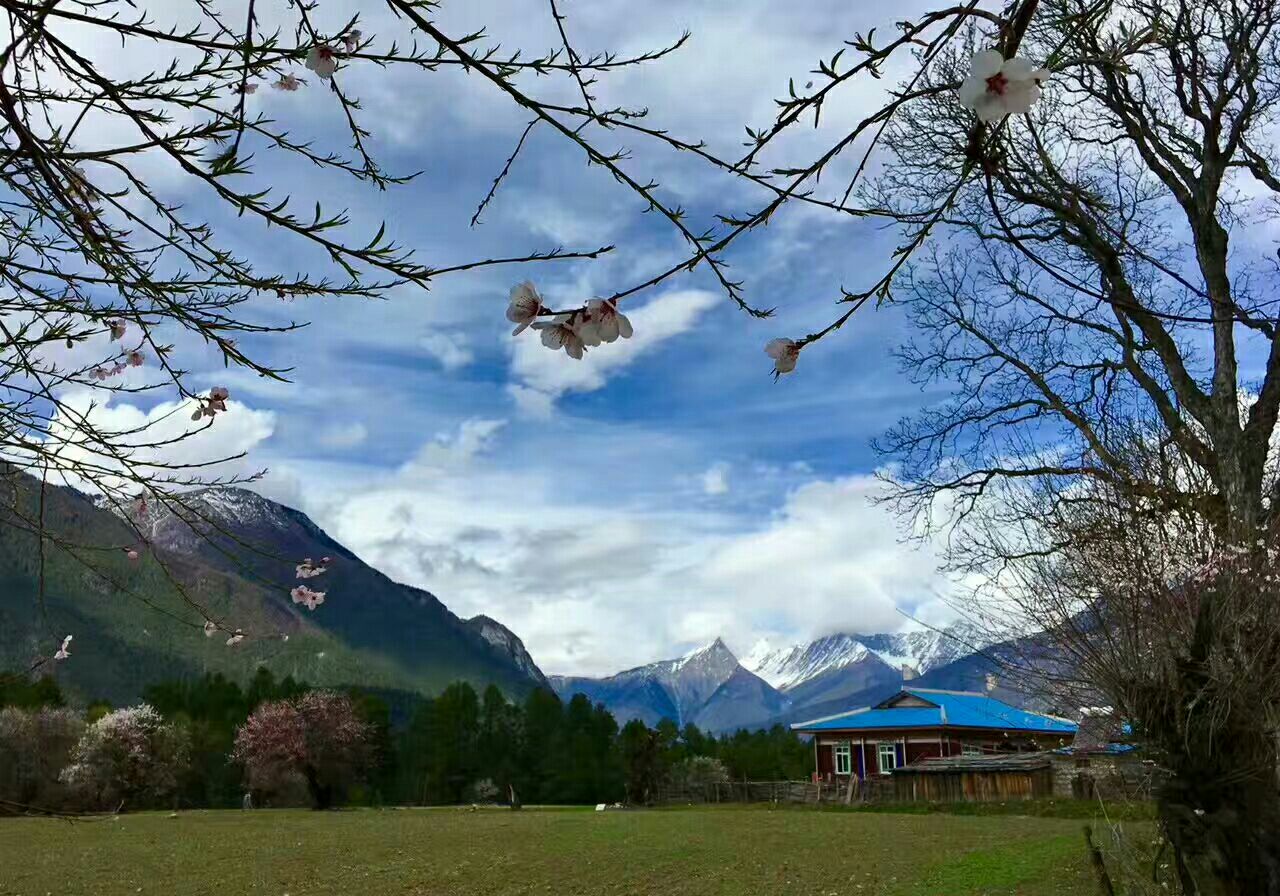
(942, 709)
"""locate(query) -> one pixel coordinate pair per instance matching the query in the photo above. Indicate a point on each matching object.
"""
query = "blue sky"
(657, 494)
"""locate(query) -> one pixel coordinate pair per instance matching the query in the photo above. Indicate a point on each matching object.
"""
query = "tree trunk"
(1226, 835)
(321, 794)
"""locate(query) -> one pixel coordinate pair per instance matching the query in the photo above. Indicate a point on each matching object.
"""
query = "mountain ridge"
(233, 552)
(770, 684)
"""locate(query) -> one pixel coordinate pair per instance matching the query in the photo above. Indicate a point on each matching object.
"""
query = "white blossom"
(352, 40)
(236, 638)
(785, 353)
(65, 650)
(603, 323)
(322, 60)
(560, 333)
(210, 629)
(287, 83)
(997, 87)
(525, 306)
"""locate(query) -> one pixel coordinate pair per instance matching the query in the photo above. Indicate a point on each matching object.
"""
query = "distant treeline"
(458, 747)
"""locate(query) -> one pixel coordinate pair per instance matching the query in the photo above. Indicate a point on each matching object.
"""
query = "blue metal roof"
(949, 709)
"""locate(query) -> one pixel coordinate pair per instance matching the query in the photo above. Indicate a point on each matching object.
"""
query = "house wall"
(915, 744)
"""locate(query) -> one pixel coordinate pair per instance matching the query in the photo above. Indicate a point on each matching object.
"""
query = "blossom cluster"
(599, 322)
(321, 59)
(217, 401)
(308, 569)
(301, 594)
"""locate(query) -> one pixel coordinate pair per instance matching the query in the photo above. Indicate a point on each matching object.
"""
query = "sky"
(663, 491)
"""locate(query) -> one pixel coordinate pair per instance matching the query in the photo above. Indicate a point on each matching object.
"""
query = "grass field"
(441, 852)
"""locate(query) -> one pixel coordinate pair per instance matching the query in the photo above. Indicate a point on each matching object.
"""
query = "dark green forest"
(458, 747)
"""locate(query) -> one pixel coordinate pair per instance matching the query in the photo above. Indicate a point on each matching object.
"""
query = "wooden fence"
(811, 792)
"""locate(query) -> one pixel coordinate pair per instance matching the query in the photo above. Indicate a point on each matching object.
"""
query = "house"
(917, 723)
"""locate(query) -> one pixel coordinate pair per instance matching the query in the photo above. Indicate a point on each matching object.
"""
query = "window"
(970, 750)
(844, 759)
(888, 754)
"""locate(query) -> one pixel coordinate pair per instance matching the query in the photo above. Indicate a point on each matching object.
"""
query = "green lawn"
(440, 852)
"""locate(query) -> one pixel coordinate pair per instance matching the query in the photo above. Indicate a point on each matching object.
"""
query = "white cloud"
(715, 480)
(449, 348)
(539, 369)
(594, 584)
(209, 448)
(450, 450)
(342, 436)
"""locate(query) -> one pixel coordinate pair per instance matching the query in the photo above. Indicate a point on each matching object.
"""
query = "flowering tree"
(128, 758)
(34, 746)
(317, 737)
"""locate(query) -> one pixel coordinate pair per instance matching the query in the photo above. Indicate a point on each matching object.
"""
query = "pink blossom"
(322, 60)
(65, 650)
(352, 40)
(287, 83)
(249, 87)
(560, 333)
(140, 506)
(785, 353)
(217, 401)
(117, 329)
(131, 553)
(304, 595)
(135, 358)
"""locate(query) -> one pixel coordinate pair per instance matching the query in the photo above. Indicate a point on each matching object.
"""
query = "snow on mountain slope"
(788, 667)
(706, 686)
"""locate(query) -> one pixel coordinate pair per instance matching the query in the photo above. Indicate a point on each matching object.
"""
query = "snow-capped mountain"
(787, 668)
(927, 649)
(712, 689)
(706, 687)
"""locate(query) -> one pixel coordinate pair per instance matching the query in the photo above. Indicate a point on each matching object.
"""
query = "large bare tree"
(1102, 292)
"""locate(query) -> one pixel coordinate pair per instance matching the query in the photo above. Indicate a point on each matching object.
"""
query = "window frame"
(842, 750)
(892, 749)
(971, 750)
